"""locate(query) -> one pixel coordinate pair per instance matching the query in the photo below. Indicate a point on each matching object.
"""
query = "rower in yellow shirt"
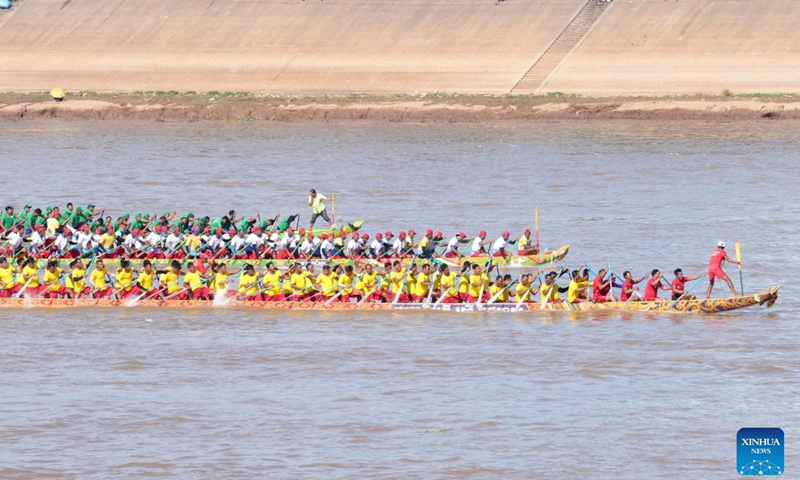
(326, 283)
(170, 284)
(124, 282)
(76, 279)
(30, 278)
(449, 290)
(52, 281)
(248, 284)
(144, 281)
(99, 278)
(298, 282)
(550, 289)
(477, 285)
(8, 277)
(346, 282)
(525, 289)
(422, 284)
(366, 284)
(195, 284)
(578, 288)
(396, 287)
(273, 291)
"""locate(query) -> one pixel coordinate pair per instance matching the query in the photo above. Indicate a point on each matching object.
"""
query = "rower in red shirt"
(629, 288)
(601, 288)
(679, 286)
(653, 285)
(718, 257)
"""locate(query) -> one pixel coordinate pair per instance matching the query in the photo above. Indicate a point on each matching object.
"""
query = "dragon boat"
(717, 305)
(513, 261)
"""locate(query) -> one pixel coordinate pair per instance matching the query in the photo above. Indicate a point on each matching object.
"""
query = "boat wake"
(221, 299)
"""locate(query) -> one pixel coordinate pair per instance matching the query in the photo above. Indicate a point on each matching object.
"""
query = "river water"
(95, 393)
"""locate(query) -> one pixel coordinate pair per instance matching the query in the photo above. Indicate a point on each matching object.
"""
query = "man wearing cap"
(397, 246)
(499, 246)
(424, 245)
(452, 246)
(718, 257)
(325, 246)
(376, 247)
(478, 243)
(351, 250)
(525, 246)
(317, 204)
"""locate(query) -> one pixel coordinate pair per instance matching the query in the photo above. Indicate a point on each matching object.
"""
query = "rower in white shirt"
(173, 240)
(399, 244)
(376, 247)
(351, 249)
(477, 245)
(452, 246)
(499, 246)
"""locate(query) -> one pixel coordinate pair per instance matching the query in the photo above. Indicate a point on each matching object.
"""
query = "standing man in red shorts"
(719, 256)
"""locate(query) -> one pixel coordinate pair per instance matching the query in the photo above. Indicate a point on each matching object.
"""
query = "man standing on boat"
(715, 271)
(317, 204)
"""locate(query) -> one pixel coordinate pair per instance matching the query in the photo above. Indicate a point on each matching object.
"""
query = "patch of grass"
(727, 93)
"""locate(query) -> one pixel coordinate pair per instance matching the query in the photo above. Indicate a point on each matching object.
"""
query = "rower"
(351, 250)
(376, 247)
(144, 281)
(653, 286)
(679, 285)
(194, 283)
(76, 279)
(325, 246)
(100, 279)
(248, 285)
(422, 284)
(237, 245)
(601, 288)
(452, 246)
(629, 289)
(326, 284)
(477, 284)
(424, 249)
(477, 249)
(525, 246)
(396, 283)
(499, 288)
(363, 245)
(549, 285)
(398, 245)
(388, 243)
(578, 287)
(346, 284)
(718, 257)
(339, 244)
(498, 248)
(8, 285)
(169, 282)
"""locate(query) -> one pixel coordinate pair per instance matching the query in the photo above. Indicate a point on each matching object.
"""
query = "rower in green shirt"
(7, 218)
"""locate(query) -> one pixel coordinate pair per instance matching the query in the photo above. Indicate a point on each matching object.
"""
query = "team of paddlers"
(84, 232)
(86, 237)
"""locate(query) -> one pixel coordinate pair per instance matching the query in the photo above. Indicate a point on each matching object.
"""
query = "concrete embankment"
(648, 47)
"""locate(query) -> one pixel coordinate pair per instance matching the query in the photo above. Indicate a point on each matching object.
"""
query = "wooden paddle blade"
(738, 251)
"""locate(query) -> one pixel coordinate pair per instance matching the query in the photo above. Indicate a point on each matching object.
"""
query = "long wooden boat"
(513, 261)
(717, 305)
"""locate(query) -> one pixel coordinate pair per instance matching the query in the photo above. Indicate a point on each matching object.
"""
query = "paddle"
(483, 285)
(22, 290)
(455, 285)
(691, 287)
(497, 295)
(403, 283)
(528, 291)
(430, 287)
(554, 286)
(536, 223)
(340, 292)
(739, 259)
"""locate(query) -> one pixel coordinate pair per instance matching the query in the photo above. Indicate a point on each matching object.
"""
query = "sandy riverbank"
(173, 106)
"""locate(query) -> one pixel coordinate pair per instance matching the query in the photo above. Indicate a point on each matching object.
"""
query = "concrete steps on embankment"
(561, 47)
